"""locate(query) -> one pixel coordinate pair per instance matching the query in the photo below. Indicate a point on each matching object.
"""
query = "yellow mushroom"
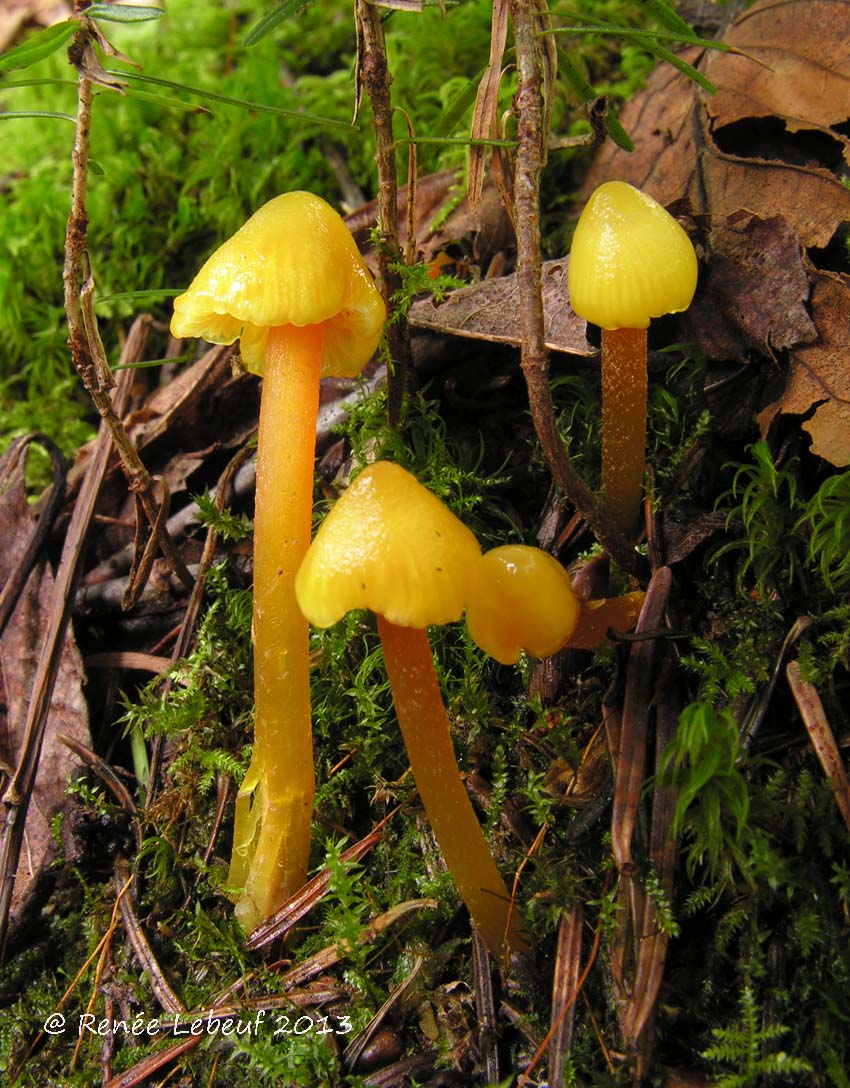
(630, 261)
(291, 285)
(391, 546)
(524, 601)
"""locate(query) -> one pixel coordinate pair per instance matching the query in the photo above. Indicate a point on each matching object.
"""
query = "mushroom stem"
(623, 425)
(274, 810)
(425, 728)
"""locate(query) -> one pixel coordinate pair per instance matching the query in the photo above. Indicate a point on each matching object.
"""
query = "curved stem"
(425, 728)
(271, 845)
(623, 425)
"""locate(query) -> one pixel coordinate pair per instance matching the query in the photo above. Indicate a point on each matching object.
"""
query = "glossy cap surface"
(293, 262)
(523, 601)
(391, 546)
(630, 260)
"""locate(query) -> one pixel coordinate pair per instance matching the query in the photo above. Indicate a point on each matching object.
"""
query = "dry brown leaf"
(207, 404)
(208, 400)
(754, 292)
(819, 375)
(490, 311)
(773, 138)
(480, 234)
(484, 116)
(20, 648)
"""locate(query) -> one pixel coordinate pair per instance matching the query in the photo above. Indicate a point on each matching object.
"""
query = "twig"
(564, 983)
(193, 607)
(162, 991)
(331, 415)
(485, 1007)
(760, 702)
(653, 940)
(568, 1004)
(531, 136)
(103, 771)
(632, 752)
(84, 343)
(484, 115)
(294, 909)
(353, 1053)
(328, 957)
(373, 76)
(141, 1073)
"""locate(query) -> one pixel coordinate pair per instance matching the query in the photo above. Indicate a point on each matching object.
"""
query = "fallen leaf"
(211, 401)
(490, 311)
(754, 293)
(819, 376)
(684, 536)
(772, 140)
(20, 647)
(480, 234)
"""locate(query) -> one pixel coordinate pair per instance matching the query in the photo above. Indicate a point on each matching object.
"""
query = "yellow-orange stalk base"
(274, 810)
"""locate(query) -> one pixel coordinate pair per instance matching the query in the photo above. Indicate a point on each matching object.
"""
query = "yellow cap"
(391, 546)
(630, 260)
(293, 262)
(523, 600)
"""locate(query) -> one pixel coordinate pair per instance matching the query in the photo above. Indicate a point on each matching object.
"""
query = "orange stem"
(427, 736)
(271, 846)
(623, 425)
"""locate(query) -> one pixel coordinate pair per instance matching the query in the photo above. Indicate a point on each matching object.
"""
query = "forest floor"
(670, 810)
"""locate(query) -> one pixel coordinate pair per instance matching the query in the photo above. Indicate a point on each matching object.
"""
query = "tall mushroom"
(292, 286)
(630, 261)
(391, 546)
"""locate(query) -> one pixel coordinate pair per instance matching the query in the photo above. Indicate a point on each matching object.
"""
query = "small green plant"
(348, 907)
(702, 761)
(750, 1046)
(418, 280)
(765, 503)
(827, 516)
(230, 527)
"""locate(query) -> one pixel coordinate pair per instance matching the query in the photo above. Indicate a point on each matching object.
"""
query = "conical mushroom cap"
(523, 600)
(630, 260)
(293, 262)
(391, 546)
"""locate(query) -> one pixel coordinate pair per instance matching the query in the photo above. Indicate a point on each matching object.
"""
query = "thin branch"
(564, 985)
(634, 725)
(162, 990)
(535, 357)
(84, 343)
(373, 76)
